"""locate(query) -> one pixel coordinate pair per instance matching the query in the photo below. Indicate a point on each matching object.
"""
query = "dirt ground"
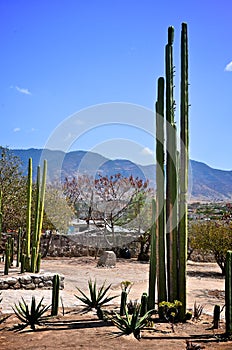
(75, 330)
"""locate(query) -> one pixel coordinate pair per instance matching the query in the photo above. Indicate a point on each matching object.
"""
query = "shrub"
(212, 237)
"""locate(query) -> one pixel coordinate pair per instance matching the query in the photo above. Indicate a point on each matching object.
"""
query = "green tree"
(13, 187)
(212, 237)
(58, 214)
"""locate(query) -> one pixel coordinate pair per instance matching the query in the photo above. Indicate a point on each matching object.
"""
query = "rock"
(4, 286)
(17, 285)
(26, 279)
(29, 286)
(47, 283)
(107, 259)
(48, 276)
(11, 280)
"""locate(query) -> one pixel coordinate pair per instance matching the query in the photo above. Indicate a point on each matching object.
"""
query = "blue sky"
(61, 57)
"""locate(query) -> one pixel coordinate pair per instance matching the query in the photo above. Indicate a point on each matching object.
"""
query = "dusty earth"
(75, 330)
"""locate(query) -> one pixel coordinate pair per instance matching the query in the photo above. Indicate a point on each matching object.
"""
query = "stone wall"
(29, 281)
(58, 245)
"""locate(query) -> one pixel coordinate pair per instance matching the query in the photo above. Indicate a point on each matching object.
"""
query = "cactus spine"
(228, 292)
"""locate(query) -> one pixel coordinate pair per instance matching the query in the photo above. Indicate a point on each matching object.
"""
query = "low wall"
(59, 245)
(29, 281)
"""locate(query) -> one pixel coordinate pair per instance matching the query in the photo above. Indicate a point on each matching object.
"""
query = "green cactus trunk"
(29, 200)
(7, 259)
(55, 295)
(123, 302)
(144, 304)
(23, 259)
(19, 238)
(33, 260)
(37, 208)
(228, 292)
(11, 245)
(184, 161)
(152, 262)
(171, 171)
(160, 197)
(171, 225)
(41, 207)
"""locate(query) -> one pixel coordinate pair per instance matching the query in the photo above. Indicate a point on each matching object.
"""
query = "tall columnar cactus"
(160, 198)
(29, 199)
(228, 292)
(184, 162)
(171, 257)
(32, 249)
(171, 177)
(37, 208)
(41, 206)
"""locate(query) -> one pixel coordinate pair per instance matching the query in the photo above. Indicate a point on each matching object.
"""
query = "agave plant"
(132, 324)
(30, 316)
(97, 298)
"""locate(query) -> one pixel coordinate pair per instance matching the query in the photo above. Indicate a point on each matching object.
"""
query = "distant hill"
(206, 183)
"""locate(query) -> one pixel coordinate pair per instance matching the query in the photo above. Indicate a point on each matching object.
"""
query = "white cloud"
(23, 90)
(228, 67)
(16, 129)
(147, 151)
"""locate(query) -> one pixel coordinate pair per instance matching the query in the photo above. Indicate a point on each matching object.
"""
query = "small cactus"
(228, 292)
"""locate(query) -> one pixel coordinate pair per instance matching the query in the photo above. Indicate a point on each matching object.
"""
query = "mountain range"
(206, 184)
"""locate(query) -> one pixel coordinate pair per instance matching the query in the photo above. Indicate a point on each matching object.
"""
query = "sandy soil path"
(205, 284)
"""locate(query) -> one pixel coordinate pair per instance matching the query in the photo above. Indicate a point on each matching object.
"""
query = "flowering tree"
(106, 200)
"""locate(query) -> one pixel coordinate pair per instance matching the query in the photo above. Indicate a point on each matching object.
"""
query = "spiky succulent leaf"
(132, 323)
(30, 316)
(96, 298)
